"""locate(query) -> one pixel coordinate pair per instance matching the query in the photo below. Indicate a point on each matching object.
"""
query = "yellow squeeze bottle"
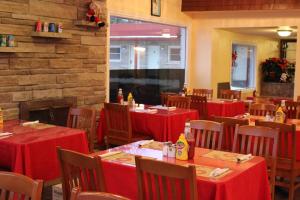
(279, 115)
(129, 98)
(182, 148)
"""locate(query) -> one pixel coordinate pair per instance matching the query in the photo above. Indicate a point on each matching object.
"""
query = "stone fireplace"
(51, 67)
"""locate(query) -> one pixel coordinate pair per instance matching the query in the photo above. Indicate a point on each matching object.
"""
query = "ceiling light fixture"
(284, 33)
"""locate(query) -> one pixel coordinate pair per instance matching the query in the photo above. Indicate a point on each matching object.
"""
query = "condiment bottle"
(1, 120)
(129, 99)
(190, 139)
(182, 148)
(46, 27)
(38, 26)
(120, 96)
(184, 90)
(279, 115)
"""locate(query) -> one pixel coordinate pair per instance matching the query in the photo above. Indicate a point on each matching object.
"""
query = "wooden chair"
(203, 92)
(298, 98)
(291, 108)
(200, 103)
(164, 176)
(17, 185)
(80, 170)
(164, 97)
(84, 118)
(207, 134)
(288, 169)
(77, 195)
(229, 124)
(231, 94)
(260, 109)
(119, 127)
(179, 102)
(257, 140)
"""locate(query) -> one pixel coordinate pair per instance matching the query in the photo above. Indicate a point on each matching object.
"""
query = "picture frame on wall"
(155, 8)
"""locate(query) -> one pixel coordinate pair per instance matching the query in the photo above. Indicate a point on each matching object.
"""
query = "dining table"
(31, 149)
(246, 180)
(162, 125)
(225, 107)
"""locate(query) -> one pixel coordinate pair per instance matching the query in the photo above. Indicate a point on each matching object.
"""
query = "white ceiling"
(270, 32)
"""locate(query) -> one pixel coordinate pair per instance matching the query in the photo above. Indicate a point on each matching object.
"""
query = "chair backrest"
(260, 109)
(200, 103)
(118, 121)
(291, 108)
(164, 97)
(77, 195)
(203, 92)
(179, 102)
(229, 124)
(298, 98)
(17, 185)
(230, 94)
(287, 146)
(157, 178)
(80, 170)
(84, 118)
(207, 134)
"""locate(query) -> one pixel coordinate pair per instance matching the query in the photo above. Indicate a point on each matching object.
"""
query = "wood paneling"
(221, 5)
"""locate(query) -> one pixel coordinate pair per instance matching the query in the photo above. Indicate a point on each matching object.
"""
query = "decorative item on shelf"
(46, 27)
(52, 27)
(234, 57)
(38, 26)
(59, 27)
(278, 70)
(10, 41)
(7, 41)
(3, 41)
(94, 14)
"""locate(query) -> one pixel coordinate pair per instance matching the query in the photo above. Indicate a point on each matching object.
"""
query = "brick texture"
(49, 67)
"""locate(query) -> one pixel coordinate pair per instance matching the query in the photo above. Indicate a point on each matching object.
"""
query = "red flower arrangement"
(273, 68)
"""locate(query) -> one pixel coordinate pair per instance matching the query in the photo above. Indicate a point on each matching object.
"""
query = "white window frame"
(254, 67)
(115, 60)
(169, 54)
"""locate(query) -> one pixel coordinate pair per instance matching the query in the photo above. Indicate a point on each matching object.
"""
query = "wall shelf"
(13, 49)
(52, 35)
(85, 23)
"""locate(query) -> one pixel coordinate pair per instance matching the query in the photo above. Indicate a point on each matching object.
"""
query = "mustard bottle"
(129, 98)
(279, 115)
(1, 120)
(182, 148)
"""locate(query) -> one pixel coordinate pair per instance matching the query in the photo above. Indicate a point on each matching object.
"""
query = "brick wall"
(55, 67)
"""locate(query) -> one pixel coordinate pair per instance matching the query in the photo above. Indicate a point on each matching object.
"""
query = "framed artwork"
(155, 8)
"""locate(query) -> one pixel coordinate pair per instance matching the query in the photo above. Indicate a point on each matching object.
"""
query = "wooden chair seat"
(284, 164)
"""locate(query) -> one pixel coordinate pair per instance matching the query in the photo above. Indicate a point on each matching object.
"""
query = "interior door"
(153, 57)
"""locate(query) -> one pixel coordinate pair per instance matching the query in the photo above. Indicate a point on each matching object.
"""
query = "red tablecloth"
(282, 140)
(32, 152)
(225, 108)
(247, 181)
(163, 125)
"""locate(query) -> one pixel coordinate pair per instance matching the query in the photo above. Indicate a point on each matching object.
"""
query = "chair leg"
(292, 188)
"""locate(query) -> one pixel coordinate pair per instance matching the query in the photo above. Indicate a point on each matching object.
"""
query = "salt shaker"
(172, 151)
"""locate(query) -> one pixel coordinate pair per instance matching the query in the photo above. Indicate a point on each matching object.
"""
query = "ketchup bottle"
(120, 96)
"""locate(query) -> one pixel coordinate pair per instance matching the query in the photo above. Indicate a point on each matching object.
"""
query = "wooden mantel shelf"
(52, 35)
(85, 23)
(14, 50)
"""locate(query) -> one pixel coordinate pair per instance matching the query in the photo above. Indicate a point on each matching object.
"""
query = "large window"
(243, 66)
(146, 58)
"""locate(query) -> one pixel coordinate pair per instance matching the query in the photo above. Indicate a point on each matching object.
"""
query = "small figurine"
(93, 14)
